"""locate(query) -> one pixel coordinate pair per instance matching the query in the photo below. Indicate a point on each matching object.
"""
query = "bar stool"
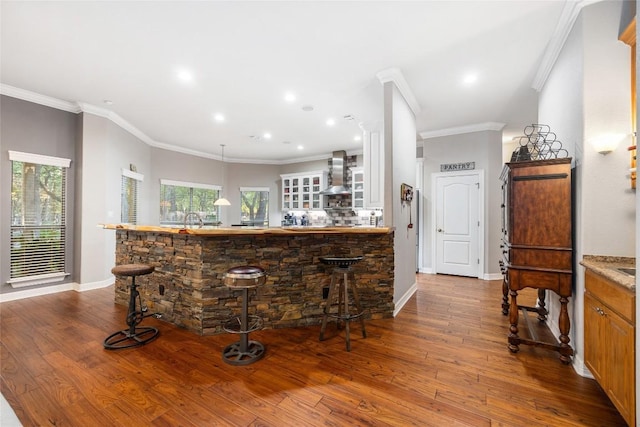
(340, 282)
(134, 336)
(245, 351)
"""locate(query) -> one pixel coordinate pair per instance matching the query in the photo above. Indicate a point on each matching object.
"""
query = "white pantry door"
(457, 225)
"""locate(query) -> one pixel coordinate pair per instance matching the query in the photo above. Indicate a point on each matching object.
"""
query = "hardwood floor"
(443, 361)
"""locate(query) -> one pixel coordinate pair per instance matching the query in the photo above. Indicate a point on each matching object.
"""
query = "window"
(254, 206)
(180, 198)
(38, 219)
(129, 196)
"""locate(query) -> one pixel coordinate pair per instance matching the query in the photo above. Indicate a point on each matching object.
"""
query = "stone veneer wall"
(187, 286)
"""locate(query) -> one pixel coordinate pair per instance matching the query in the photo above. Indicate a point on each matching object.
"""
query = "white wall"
(586, 94)
(400, 141)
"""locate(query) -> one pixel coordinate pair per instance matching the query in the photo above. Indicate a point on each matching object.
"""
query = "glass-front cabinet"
(301, 191)
(357, 188)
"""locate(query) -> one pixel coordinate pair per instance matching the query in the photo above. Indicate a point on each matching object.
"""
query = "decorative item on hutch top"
(538, 143)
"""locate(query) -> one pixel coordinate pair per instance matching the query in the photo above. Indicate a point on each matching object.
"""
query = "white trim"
(405, 298)
(395, 75)
(481, 219)
(297, 174)
(478, 127)
(254, 189)
(190, 184)
(48, 290)
(39, 159)
(567, 19)
(133, 175)
(82, 107)
(37, 98)
(40, 279)
(493, 276)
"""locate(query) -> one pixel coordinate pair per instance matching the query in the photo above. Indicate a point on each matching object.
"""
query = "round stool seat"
(132, 269)
(245, 276)
(342, 262)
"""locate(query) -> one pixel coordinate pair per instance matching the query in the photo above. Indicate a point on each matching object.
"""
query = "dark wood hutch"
(537, 248)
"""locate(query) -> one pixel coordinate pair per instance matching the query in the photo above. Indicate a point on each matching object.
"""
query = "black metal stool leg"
(134, 336)
(356, 299)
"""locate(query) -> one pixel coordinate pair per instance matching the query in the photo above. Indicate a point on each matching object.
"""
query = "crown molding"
(568, 17)
(395, 75)
(83, 107)
(37, 98)
(479, 127)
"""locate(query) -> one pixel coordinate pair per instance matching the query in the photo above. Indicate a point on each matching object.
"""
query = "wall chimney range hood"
(338, 175)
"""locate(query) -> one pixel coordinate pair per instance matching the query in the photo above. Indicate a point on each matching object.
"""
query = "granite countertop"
(249, 230)
(607, 266)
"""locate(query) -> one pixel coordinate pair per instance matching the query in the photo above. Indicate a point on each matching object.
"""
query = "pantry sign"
(454, 167)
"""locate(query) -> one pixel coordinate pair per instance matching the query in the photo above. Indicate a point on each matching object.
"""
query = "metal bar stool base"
(233, 354)
(126, 339)
(340, 279)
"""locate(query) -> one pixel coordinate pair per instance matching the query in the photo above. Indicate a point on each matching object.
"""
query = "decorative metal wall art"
(538, 143)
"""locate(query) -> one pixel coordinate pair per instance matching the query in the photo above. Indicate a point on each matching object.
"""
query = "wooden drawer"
(616, 297)
(545, 258)
(558, 282)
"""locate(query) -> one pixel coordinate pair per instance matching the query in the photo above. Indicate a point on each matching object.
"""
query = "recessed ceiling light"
(470, 79)
(185, 75)
(331, 122)
(218, 117)
(266, 135)
(300, 147)
(307, 108)
(357, 138)
(289, 96)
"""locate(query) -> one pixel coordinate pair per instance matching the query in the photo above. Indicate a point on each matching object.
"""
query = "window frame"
(56, 274)
(192, 186)
(267, 190)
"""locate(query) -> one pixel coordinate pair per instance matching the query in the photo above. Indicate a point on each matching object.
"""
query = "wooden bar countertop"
(249, 230)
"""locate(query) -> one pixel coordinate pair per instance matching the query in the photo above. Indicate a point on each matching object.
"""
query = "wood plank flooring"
(443, 361)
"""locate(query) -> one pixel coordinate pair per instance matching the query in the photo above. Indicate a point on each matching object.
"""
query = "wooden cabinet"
(302, 191)
(609, 340)
(357, 188)
(373, 154)
(537, 245)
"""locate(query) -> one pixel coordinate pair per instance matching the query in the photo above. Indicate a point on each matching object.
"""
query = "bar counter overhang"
(187, 287)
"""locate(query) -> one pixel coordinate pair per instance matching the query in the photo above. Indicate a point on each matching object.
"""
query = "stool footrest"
(346, 316)
(235, 326)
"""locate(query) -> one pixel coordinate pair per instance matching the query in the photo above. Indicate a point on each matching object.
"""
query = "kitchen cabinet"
(373, 160)
(537, 249)
(301, 191)
(609, 340)
(357, 188)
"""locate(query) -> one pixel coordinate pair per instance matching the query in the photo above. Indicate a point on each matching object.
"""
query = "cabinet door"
(595, 347)
(621, 382)
(357, 188)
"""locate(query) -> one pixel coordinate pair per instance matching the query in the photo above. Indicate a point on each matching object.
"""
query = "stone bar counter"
(187, 287)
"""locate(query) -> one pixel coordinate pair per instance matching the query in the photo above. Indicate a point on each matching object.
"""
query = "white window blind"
(129, 200)
(38, 218)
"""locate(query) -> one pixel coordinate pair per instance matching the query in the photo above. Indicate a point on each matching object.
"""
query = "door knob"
(440, 230)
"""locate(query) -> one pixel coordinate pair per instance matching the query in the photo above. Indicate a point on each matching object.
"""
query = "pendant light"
(222, 201)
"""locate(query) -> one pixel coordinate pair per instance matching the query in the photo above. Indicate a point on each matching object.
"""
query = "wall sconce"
(606, 143)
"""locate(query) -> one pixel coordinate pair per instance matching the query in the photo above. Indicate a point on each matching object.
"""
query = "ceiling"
(245, 56)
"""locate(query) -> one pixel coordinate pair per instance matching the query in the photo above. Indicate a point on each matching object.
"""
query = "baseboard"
(425, 270)
(492, 276)
(403, 300)
(54, 289)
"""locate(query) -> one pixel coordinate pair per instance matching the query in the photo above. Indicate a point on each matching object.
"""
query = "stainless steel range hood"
(338, 175)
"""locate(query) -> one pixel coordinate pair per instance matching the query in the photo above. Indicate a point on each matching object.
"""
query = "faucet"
(197, 215)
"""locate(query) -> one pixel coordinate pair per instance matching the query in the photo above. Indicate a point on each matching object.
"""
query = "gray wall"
(33, 128)
(586, 95)
(485, 149)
